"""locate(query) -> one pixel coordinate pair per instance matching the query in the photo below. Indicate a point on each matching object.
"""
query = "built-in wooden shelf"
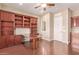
(9, 21)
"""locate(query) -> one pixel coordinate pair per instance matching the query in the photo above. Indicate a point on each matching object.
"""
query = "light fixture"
(44, 5)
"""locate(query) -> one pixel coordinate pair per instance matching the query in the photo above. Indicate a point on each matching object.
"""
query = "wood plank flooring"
(48, 48)
(54, 48)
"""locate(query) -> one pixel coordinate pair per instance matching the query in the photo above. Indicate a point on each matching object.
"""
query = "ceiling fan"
(44, 5)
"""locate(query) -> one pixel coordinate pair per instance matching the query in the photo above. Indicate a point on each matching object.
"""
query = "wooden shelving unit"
(26, 22)
(6, 16)
(18, 21)
(33, 26)
(7, 28)
(6, 20)
(9, 22)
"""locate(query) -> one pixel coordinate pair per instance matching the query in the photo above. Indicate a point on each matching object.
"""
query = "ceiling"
(29, 7)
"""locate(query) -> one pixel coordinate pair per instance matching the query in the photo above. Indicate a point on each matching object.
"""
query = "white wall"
(66, 14)
(48, 33)
(58, 27)
(39, 25)
(51, 26)
(65, 26)
(45, 34)
(75, 13)
(0, 6)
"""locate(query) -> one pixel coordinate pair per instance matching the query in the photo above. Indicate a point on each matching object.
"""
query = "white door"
(58, 27)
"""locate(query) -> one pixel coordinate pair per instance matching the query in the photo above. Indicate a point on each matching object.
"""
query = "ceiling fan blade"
(37, 6)
(50, 4)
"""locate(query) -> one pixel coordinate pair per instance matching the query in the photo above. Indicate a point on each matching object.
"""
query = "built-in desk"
(34, 42)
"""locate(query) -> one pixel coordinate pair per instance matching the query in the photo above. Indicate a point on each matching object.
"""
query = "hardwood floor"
(53, 48)
(43, 48)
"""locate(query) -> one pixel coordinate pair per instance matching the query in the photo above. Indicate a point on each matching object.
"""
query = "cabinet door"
(6, 16)
(0, 28)
(33, 25)
(10, 40)
(18, 39)
(3, 42)
(33, 20)
(74, 22)
(77, 21)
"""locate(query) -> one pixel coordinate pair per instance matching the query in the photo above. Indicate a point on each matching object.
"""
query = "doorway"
(58, 27)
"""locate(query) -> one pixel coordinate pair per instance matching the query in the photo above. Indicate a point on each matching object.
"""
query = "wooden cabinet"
(33, 26)
(10, 40)
(6, 16)
(26, 22)
(6, 23)
(0, 28)
(18, 39)
(7, 28)
(9, 21)
(75, 21)
(18, 21)
(72, 22)
(33, 20)
(2, 42)
(75, 33)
